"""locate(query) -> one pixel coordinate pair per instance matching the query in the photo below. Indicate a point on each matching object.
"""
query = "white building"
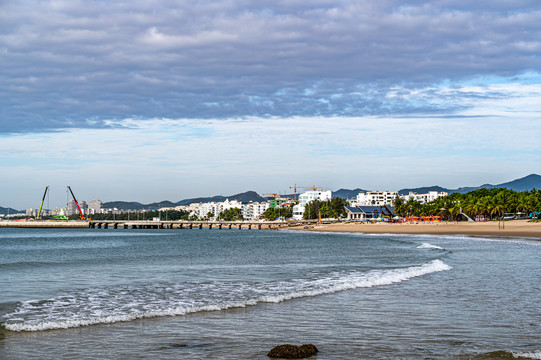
(254, 210)
(305, 198)
(215, 208)
(31, 212)
(424, 198)
(72, 207)
(94, 206)
(375, 198)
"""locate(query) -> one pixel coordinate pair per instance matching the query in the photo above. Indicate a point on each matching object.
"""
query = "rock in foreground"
(288, 351)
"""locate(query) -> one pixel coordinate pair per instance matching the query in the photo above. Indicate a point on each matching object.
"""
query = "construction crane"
(76, 203)
(295, 187)
(313, 187)
(274, 195)
(295, 192)
(42, 200)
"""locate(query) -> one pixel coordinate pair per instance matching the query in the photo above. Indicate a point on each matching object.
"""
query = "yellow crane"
(274, 195)
(295, 187)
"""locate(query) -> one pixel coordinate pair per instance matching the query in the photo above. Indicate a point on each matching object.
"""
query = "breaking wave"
(111, 305)
(527, 355)
(429, 246)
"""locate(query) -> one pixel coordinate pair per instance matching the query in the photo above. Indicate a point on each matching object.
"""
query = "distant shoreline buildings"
(250, 210)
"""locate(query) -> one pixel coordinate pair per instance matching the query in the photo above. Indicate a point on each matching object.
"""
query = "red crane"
(76, 203)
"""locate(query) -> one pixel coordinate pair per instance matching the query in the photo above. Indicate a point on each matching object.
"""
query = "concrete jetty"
(56, 224)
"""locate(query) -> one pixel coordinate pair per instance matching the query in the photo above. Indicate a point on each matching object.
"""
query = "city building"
(280, 202)
(254, 210)
(305, 198)
(374, 198)
(424, 198)
(31, 212)
(367, 212)
(72, 207)
(211, 210)
(94, 206)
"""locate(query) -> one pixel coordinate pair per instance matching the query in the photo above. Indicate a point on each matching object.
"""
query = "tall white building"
(375, 198)
(72, 207)
(305, 198)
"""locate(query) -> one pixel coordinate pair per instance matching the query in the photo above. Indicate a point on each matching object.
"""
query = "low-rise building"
(280, 202)
(367, 212)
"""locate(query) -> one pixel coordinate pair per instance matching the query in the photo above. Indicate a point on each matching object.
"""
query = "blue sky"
(153, 100)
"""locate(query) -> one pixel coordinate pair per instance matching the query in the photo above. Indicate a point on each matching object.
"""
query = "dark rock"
(495, 355)
(288, 351)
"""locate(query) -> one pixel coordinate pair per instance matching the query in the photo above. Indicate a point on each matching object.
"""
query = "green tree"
(233, 214)
(332, 208)
(276, 213)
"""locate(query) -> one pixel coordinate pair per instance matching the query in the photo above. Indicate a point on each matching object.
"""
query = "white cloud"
(173, 159)
(152, 59)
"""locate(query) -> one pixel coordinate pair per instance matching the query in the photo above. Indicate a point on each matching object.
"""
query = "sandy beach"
(512, 228)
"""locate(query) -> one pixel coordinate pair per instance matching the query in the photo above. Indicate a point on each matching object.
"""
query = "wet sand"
(511, 228)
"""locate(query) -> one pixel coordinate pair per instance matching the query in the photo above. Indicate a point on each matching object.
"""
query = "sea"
(236, 294)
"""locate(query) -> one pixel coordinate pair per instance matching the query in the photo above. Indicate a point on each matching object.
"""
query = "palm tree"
(399, 206)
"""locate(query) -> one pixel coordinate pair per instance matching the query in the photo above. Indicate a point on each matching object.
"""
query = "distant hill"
(244, 197)
(6, 211)
(347, 193)
(527, 183)
(132, 205)
(423, 190)
(123, 205)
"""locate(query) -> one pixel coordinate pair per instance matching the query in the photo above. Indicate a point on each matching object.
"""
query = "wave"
(429, 246)
(106, 306)
(527, 355)
(502, 354)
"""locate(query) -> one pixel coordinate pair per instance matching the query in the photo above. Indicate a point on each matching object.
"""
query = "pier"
(137, 224)
(219, 225)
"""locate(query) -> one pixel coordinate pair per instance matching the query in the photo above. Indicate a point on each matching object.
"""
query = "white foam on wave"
(106, 306)
(429, 246)
(360, 280)
(527, 355)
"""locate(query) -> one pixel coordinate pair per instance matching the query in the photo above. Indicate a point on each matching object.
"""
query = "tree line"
(491, 203)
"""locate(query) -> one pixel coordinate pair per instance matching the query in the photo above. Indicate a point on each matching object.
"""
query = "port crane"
(42, 200)
(77, 203)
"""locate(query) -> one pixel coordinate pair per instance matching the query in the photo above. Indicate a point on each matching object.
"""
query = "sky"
(167, 100)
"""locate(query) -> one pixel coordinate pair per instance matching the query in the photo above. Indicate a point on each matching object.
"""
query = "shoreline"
(512, 228)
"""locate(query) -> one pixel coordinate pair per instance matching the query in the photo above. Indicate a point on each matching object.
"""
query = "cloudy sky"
(151, 100)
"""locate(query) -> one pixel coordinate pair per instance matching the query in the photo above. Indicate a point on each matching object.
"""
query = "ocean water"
(235, 294)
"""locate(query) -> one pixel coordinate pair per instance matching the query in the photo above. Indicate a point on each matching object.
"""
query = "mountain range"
(7, 211)
(526, 183)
